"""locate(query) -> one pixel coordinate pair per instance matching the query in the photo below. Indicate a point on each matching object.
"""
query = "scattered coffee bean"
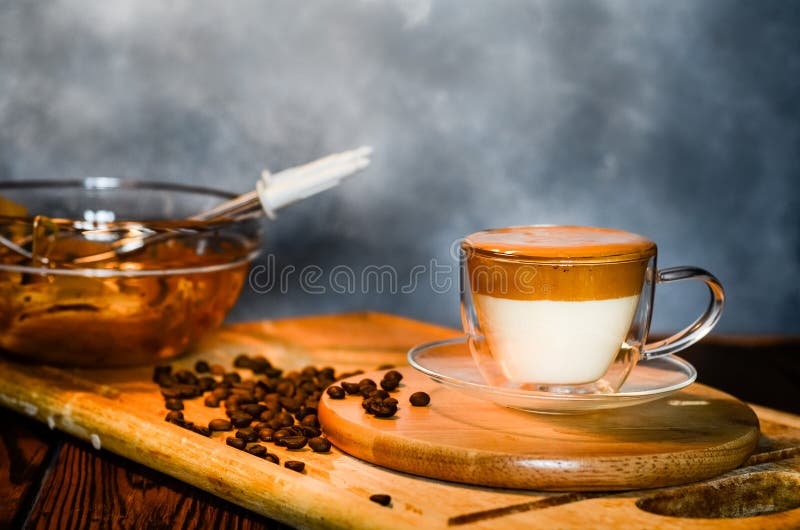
(389, 384)
(419, 399)
(295, 465)
(217, 369)
(272, 457)
(174, 404)
(254, 409)
(350, 388)
(220, 425)
(257, 450)
(199, 429)
(335, 392)
(211, 401)
(237, 443)
(241, 419)
(393, 374)
(186, 377)
(385, 367)
(383, 500)
(319, 445)
(265, 435)
(174, 416)
(231, 377)
(295, 442)
(383, 410)
(247, 434)
(202, 367)
(242, 361)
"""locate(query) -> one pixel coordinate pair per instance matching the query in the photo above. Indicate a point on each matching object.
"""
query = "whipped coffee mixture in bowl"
(566, 309)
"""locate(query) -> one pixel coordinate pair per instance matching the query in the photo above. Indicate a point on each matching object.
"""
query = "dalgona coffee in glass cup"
(567, 309)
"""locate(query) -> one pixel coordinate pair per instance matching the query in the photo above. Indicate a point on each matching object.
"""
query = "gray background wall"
(679, 120)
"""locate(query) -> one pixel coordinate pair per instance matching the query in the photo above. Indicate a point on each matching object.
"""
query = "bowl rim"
(114, 183)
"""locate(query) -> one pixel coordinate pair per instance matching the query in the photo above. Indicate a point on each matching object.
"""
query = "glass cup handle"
(700, 327)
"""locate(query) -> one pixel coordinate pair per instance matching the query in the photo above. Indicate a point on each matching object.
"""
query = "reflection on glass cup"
(567, 309)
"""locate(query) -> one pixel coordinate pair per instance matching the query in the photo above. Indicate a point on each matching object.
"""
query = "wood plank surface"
(24, 452)
(86, 488)
(122, 411)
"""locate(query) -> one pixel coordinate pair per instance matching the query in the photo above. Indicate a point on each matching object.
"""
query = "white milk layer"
(545, 341)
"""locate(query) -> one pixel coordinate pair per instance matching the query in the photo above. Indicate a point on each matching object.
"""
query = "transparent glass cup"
(524, 332)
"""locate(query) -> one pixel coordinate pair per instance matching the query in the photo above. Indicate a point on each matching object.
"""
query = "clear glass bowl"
(144, 306)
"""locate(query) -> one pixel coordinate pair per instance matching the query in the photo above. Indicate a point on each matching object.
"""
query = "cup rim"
(644, 254)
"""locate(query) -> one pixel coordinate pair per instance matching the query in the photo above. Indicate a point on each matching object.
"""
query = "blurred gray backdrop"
(676, 119)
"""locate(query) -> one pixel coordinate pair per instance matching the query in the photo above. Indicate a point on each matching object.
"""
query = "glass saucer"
(449, 362)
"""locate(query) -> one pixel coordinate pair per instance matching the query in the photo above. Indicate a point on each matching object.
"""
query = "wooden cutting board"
(121, 411)
(692, 435)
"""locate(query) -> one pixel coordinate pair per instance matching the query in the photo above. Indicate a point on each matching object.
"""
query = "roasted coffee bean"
(383, 500)
(366, 403)
(310, 432)
(393, 374)
(367, 382)
(221, 393)
(199, 429)
(241, 419)
(254, 409)
(265, 435)
(202, 367)
(285, 388)
(232, 377)
(419, 399)
(259, 364)
(257, 450)
(257, 426)
(247, 434)
(238, 443)
(380, 394)
(217, 369)
(242, 361)
(173, 404)
(286, 419)
(295, 465)
(174, 416)
(319, 445)
(291, 404)
(275, 423)
(171, 393)
(350, 388)
(211, 401)
(390, 401)
(280, 434)
(220, 425)
(389, 384)
(272, 457)
(206, 383)
(186, 377)
(385, 367)
(382, 410)
(310, 421)
(336, 392)
(304, 411)
(267, 415)
(295, 442)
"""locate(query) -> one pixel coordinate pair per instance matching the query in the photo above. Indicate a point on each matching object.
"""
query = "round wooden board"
(692, 435)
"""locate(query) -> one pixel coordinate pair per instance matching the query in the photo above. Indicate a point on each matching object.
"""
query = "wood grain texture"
(23, 459)
(695, 434)
(86, 488)
(122, 411)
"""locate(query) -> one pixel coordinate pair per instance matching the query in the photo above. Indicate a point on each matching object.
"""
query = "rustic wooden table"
(51, 480)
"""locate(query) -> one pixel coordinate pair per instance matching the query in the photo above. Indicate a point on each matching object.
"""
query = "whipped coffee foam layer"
(565, 263)
(544, 341)
(562, 243)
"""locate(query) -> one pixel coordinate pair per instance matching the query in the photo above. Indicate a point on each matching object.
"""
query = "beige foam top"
(562, 243)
